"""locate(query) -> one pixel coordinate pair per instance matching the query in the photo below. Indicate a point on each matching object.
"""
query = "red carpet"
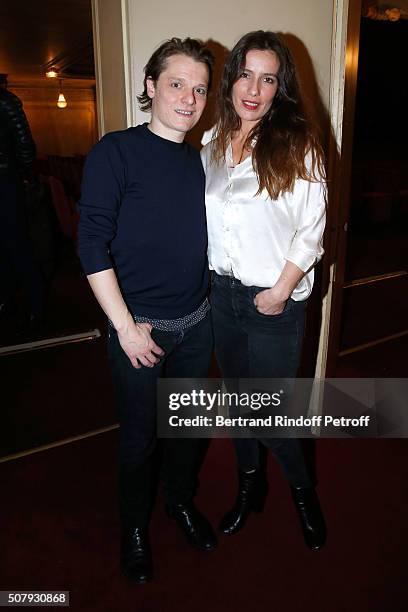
(60, 531)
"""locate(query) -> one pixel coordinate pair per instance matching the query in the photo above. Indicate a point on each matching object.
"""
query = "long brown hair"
(284, 136)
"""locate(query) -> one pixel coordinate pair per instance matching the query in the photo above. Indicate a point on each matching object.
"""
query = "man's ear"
(150, 88)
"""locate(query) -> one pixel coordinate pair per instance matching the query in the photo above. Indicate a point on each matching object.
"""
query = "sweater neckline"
(159, 139)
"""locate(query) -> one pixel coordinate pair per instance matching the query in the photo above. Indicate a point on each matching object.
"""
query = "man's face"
(178, 97)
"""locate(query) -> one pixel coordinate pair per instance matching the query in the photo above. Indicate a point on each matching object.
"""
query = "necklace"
(241, 156)
(243, 150)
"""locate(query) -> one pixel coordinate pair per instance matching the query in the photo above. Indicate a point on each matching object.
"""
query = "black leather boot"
(310, 515)
(252, 492)
(136, 555)
(194, 525)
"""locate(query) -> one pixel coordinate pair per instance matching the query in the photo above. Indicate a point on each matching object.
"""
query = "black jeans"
(249, 344)
(187, 355)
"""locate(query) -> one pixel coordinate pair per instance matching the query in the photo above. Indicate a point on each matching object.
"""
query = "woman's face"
(255, 88)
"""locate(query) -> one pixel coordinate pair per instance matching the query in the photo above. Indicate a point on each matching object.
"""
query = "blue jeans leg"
(252, 345)
(180, 456)
(187, 354)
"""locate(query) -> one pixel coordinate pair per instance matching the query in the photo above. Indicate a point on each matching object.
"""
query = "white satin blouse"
(251, 236)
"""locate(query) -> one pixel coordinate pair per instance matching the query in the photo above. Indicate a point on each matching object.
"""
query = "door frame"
(343, 86)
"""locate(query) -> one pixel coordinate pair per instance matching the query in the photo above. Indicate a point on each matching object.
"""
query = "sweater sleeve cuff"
(93, 260)
(304, 259)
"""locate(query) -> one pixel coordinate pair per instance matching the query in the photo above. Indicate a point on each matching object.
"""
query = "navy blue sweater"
(142, 213)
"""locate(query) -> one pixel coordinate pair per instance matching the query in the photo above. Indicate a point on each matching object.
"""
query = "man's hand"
(270, 302)
(138, 345)
(134, 338)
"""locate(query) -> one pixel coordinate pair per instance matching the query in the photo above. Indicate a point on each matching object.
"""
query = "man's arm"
(134, 338)
(103, 185)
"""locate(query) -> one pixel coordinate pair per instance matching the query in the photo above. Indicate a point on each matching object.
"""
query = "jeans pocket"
(254, 292)
(213, 277)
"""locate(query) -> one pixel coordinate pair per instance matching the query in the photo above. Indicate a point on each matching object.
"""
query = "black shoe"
(135, 555)
(310, 516)
(252, 492)
(194, 525)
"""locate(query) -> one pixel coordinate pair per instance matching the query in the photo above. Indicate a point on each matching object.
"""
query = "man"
(18, 268)
(142, 243)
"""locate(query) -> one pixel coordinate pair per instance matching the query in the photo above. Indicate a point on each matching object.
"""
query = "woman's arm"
(305, 250)
(272, 301)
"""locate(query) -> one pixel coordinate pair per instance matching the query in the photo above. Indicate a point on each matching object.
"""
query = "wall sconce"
(62, 103)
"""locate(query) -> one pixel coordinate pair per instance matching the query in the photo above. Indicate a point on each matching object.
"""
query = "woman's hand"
(139, 346)
(270, 302)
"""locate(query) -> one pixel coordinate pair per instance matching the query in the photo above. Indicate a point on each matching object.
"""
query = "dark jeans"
(187, 355)
(249, 344)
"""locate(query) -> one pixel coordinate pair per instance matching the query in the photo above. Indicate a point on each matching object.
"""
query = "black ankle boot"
(310, 515)
(252, 491)
(135, 555)
(194, 525)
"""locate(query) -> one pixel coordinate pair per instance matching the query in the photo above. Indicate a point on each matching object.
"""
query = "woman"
(265, 200)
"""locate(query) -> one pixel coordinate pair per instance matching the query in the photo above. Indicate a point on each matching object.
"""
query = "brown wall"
(68, 131)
